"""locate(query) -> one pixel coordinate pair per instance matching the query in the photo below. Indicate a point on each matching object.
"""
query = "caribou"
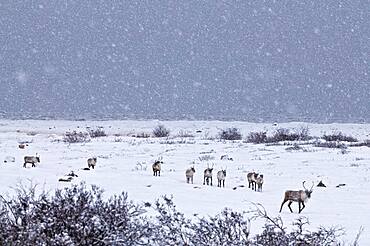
(32, 160)
(259, 182)
(221, 175)
(252, 179)
(157, 168)
(297, 196)
(91, 162)
(208, 175)
(189, 174)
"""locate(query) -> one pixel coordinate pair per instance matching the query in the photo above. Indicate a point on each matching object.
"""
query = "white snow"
(124, 164)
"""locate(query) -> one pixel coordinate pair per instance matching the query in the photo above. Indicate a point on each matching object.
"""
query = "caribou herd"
(255, 180)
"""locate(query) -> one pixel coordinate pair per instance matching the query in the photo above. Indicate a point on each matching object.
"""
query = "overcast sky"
(244, 60)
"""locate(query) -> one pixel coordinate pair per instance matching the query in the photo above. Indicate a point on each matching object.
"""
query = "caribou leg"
(290, 203)
(282, 204)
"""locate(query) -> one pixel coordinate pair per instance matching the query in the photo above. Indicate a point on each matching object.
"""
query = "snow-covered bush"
(96, 132)
(284, 134)
(232, 133)
(78, 215)
(331, 145)
(206, 158)
(76, 137)
(257, 137)
(339, 136)
(184, 134)
(72, 216)
(161, 131)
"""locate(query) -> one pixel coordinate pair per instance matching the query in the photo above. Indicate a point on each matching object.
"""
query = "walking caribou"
(299, 196)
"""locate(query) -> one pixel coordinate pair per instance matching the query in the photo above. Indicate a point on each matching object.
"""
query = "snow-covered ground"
(124, 164)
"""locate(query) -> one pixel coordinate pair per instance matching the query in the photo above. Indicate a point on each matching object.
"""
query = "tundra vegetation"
(232, 133)
(36, 217)
(96, 132)
(161, 131)
(76, 137)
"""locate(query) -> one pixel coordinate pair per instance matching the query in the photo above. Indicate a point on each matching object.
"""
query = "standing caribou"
(297, 196)
(157, 168)
(32, 160)
(190, 174)
(221, 175)
(208, 175)
(259, 182)
(252, 179)
(91, 162)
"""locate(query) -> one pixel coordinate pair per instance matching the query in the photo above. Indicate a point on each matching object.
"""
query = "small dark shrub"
(161, 131)
(76, 137)
(142, 135)
(96, 132)
(331, 145)
(339, 136)
(230, 134)
(257, 137)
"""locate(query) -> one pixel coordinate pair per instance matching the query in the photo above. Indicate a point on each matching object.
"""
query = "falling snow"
(246, 60)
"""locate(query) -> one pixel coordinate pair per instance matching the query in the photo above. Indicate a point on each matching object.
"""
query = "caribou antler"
(305, 186)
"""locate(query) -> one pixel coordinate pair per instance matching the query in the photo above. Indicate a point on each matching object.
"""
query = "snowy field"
(124, 164)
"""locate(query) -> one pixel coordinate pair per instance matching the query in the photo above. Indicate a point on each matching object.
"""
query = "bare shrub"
(207, 136)
(96, 132)
(142, 135)
(232, 133)
(284, 134)
(76, 137)
(339, 136)
(206, 158)
(161, 131)
(331, 145)
(257, 137)
(118, 139)
(181, 141)
(184, 134)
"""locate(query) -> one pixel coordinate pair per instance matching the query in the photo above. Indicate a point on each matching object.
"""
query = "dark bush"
(80, 216)
(142, 135)
(339, 136)
(96, 132)
(284, 134)
(331, 145)
(257, 137)
(230, 134)
(76, 137)
(161, 131)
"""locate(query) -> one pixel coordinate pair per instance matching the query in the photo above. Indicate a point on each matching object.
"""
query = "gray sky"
(243, 60)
